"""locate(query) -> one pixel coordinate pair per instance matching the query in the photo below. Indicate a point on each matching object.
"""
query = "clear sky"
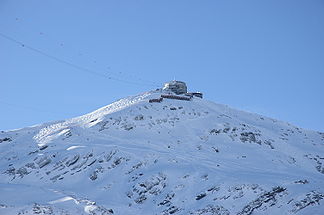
(56, 57)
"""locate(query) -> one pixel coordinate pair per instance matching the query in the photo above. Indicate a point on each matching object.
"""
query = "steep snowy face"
(147, 155)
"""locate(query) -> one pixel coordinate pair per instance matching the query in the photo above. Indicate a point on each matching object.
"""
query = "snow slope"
(173, 157)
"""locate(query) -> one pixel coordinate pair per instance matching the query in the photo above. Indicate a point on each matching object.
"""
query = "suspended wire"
(62, 44)
(73, 65)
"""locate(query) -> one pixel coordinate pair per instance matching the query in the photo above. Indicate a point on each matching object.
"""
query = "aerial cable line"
(75, 66)
(129, 76)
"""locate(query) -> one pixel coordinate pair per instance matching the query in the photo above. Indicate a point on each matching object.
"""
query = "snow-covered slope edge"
(173, 157)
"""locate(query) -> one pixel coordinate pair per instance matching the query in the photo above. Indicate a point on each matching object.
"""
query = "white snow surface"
(174, 157)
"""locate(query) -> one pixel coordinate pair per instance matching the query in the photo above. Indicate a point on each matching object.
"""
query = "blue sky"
(261, 56)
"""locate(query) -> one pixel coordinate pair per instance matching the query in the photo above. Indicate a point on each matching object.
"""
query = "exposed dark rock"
(250, 137)
(100, 210)
(135, 167)
(8, 139)
(268, 197)
(22, 171)
(225, 130)
(215, 149)
(213, 189)
(67, 135)
(269, 143)
(110, 155)
(55, 178)
(117, 162)
(151, 186)
(43, 161)
(140, 199)
(92, 162)
(103, 125)
(3, 206)
(72, 160)
(41, 209)
(128, 127)
(302, 181)
(200, 196)
(10, 171)
(311, 198)
(319, 162)
(93, 120)
(136, 176)
(43, 147)
(215, 131)
(30, 165)
(139, 117)
(33, 152)
(167, 199)
(94, 174)
(170, 210)
(211, 209)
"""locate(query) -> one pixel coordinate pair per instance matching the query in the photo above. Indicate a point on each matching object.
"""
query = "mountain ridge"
(170, 157)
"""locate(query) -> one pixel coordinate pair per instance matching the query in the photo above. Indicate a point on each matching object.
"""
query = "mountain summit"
(162, 152)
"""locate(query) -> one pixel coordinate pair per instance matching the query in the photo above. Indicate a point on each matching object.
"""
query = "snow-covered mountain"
(169, 157)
